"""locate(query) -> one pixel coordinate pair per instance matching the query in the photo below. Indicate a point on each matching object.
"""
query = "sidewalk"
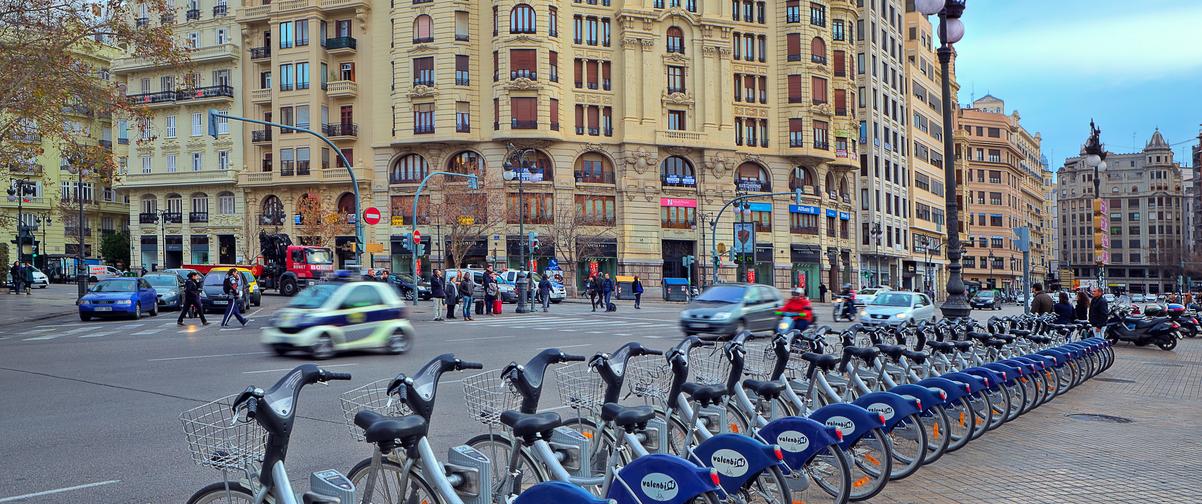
(53, 301)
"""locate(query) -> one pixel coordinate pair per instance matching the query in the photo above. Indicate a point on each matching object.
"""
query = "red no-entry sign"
(417, 236)
(371, 215)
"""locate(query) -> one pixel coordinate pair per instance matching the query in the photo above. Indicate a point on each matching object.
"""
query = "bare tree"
(575, 239)
(320, 222)
(468, 216)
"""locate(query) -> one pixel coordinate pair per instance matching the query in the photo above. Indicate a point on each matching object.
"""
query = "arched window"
(423, 29)
(200, 204)
(818, 50)
(830, 185)
(225, 203)
(675, 40)
(594, 168)
(803, 178)
(409, 169)
(539, 168)
(346, 206)
(844, 191)
(175, 203)
(272, 211)
(751, 177)
(677, 171)
(466, 162)
(522, 19)
(150, 204)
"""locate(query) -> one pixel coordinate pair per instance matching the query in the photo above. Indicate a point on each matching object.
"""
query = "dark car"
(214, 298)
(170, 289)
(726, 309)
(986, 299)
(403, 282)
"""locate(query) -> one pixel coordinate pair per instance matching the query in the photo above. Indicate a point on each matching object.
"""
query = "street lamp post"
(417, 196)
(1095, 157)
(43, 222)
(876, 238)
(951, 30)
(705, 221)
(81, 278)
(991, 281)
(18, 192)
(520, 173)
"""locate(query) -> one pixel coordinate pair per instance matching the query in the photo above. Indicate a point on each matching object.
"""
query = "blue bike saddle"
(557, 492)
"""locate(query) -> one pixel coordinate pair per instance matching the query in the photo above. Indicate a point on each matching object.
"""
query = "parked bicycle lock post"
(359, 243)
(714, 223)
(471, 184)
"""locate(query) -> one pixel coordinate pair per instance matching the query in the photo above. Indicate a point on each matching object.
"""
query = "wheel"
(324, 349)
(279, 351)
(766, 488)
(386, 488)
(137, 310)
(736, 421)
(961, 421)
(258, 299)
(154, 310)
(908, 442)
(288, 287)
(871, 464)
(398, 343)
(828, 474)
(982, 416)
(221, 493)
(85, 317)
(91, 279)
(603, 443)
(506, 483)
(1168, 344)
(935, 424)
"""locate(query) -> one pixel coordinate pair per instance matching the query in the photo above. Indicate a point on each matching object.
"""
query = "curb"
(40, 317)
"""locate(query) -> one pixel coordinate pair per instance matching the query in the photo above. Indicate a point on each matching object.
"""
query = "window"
(539, 208)
(793, 45)
(286, 37)
(840, 60)
(197, 161)
(225, 203)
(197, 124)
(553, 63)
(286, 77)
(554, 114)
(677, 217)
(794, 89)
(223, 160)
(818, 90)
(171, 163)
(523, 64)
(423, 29)
(423, 118)
(818, 50)
(423, 71)
(793, 11)
(677, 171)
(302, 32)
(837, 31)
(145, 164)
(675, 40)
(522, 19)
(171, 126)
(265, 80)
(462, 25)
(675, 79)
(462, 65)
(821, 140)
(595, 210)
(676, 120)
(466, 162)
(408, 169)
(302, 116)
(523, 113)
(553, 21)
(594, 168)
(302, 76)
(752, 177)
(817, 15)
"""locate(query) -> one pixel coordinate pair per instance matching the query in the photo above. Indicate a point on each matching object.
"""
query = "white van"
(97, 272)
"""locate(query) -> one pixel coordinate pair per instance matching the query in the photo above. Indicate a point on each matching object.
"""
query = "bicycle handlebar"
(574, 358)
(331, 376)
(471, 365)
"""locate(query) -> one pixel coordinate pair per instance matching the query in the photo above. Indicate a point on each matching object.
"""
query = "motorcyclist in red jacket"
(800, 309)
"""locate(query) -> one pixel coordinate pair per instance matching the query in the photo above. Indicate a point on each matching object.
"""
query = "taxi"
(328, 318)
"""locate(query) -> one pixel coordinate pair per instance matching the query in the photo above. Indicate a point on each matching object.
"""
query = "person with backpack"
(232, 287)
(544, 292)
(492, 295)
(192, 290)
(607, 291)
(636, 287)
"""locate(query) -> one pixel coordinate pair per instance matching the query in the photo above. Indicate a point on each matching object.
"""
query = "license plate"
(696, 325)
(220, 302)
(103, 308)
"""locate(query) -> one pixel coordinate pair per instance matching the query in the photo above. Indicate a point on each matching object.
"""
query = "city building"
(302, 65)
(48, 210)
(924, 268)
(884, 182)
(1196, 155)
(671, 110)
(1143, 192)
(1005, 187)
(186, 207)
(1051, 270)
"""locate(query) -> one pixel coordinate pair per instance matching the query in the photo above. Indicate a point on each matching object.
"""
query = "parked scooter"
(1188, 321)
(1153, 328)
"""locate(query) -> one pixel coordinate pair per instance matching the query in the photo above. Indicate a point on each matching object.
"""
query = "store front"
(344, 250)
(600, 256)
(807, 268)
(673, 253)
(402, 260)
(475, 252)
(200, 249)
(175, 251)
(150, 252)
(513, 254)
(227, 249)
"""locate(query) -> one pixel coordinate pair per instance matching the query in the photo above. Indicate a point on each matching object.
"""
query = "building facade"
(644, 122)
(185, 205)
(1143, 192)
(1005, 187)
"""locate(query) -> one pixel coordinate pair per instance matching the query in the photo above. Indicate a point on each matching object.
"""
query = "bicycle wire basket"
(217, 439)
(371, 397)
(487, 395)
(580, 387)
(708, 366)
(759, 359)
(648, 377)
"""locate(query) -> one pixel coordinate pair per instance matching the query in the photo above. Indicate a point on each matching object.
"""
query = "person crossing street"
(636, 287)
(232, 287)
(544, 292)
(438, 294)
(192, 289)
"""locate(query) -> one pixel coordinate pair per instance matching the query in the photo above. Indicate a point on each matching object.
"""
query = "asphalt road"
(91, 409)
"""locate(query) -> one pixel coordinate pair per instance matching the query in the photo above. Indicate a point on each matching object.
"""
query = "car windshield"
(868, 292)
(891, 299)
(163, 280)
(313, 297)
(116, 286)
(985, 294)
(215, 278)
(722, 294)
(319, 256)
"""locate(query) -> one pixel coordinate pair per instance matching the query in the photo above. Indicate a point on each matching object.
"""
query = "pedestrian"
(1081, 311)
(636, 287)
(1063, 309)
(16, 276)
(1099, 312)
(192, 290)
(27, 278)
(590, 287)
(466, 286)
(490, 291)
(232, 287)
(607, 290)
(438, 293)
(1042, 302)
(822, 293)
(544, 292)
(452, 295)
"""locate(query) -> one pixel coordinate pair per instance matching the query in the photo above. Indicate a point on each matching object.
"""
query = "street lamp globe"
(1101, 166)
(955, 30)
(929, 7)
(508, 174)
(1092, 160)
(12, 194)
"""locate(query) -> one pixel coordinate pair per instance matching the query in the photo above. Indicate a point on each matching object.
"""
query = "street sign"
(466, 220)
(371, 216)
(417, 236)
(552, 264)
(375, 248)
(398, 220)
(1023, 235)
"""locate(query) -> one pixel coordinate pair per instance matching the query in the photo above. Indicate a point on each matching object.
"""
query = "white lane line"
(232, 328)
(621, 334)
(256, 312)
(290, 369)
(131, 326)
(58, 491)
(40, 329)
(575, 346)
(189, 357)
(148, 332)
(96, 335)
(480, 338)
(42, 338)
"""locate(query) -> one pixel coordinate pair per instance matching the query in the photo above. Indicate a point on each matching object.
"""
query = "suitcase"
(479, 306)
(496, 306)
(611, 308)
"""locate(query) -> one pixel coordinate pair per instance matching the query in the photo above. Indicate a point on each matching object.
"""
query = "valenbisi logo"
(792, 441)
(729, 463)
(659, 486)
(844, 424)
(882, 409)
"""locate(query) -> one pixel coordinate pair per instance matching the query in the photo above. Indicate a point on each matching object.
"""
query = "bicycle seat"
(824, 361)
(1042, 340)
(526, 425)
(979, 336)
(765, 389)
(963, 346)
(379, 428)
(1020, 332)
(915, 355)
(1004, 337)
(626, 416)
(941, 346)
(996, 343)
(705, 394)
(893, 351)
(866, 354)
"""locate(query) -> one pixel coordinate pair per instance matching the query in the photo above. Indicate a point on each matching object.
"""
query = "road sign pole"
(471, 181)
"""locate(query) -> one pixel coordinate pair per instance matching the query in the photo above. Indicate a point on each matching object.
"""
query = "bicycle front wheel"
(507, 481)
(387, 486)
(871, 464)
(827, 478)
(224, 492)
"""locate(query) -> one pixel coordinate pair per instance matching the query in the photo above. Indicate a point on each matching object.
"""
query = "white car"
(897, 307)
(1137, 298)
(40, 280)
(558, 294)
(865, 296)
(332, 317)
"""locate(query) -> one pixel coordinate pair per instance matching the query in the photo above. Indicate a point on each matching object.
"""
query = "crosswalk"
(600, 325)
(104, 329)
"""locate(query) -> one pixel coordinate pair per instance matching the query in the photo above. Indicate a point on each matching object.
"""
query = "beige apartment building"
(645, 119)
(185, 206)
(1005, 186)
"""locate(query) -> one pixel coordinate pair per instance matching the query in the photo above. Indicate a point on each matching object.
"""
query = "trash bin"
(624, 284)
(676, 289)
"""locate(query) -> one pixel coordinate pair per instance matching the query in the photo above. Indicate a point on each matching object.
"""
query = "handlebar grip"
(574, 358)
(648, 351)
(471, 365)
(331, 376)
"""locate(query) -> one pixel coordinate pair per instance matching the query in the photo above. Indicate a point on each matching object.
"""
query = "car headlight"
(900, 315)
(863, 313)
(123, 302)
(721, 316)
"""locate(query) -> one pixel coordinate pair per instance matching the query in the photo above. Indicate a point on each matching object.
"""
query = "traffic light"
(421, 249)
(407, 241)
(213, 123)
(687, 261)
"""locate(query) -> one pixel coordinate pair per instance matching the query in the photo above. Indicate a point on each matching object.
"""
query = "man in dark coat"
(1042, 302)
(438, 293)
(607, 290)
(544, 292)
(192, 290)
(1099, 312)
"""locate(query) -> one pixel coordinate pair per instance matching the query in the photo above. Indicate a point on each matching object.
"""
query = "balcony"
(271, 220)
(523, 74)
(210, 54)
(342, 88)
(201, 94)
(107, 144)
(822, 145)
(287, 168)
(173, 217)
(606, 177)
(463, 127)
(348, 130)
(220, 10)
(680, 137)
(74, 231)
(260, 136)
(818, 58)
(167, 19)
(805, 230)
(261, 96)
(259, 53)
(423, 40)
(341, 45)
(523, 124)
(794, 57)
(423, 129)
(142, 22)
(423, 81)
(679, 181)
(198, 216)
(193, 14)
(24, 168)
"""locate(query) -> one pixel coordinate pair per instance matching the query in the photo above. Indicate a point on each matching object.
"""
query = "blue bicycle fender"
(1051, 358)
(1012, 373)
(1043, 362)
(893, 407)
(975, 383)
(852, 420)
(737, 458)
(927, 398)
(799, 439)
(954, 389)
(995, 378)
(1028, 367)
(661, 479)
(557, 492)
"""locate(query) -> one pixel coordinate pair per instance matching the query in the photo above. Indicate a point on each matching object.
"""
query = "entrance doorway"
(673, 252)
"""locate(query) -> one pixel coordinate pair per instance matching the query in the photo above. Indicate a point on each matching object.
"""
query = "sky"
(1131, 66)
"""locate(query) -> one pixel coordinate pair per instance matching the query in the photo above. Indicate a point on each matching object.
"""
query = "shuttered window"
(524, 112)
(523, 63)
(818, 89)
(793, 40)
(794, 89)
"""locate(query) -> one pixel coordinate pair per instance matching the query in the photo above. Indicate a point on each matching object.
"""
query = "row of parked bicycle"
(801, 416)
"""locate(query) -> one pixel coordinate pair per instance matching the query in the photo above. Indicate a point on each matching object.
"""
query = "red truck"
(281, 265)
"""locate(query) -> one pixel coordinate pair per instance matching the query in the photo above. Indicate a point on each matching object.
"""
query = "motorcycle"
(844, 308)
(1154, 328)
(790, 321)
(1188, 321)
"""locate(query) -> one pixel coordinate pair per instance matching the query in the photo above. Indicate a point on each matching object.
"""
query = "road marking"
(163, 359)
(41, 338)
(232, 328)
(256, 312)
(621, 334)
(131, 326)
(290, 369)
(576, 346)
(480, 338)
(40, 329)
(97, 335)
(58, 491)
(148, 332)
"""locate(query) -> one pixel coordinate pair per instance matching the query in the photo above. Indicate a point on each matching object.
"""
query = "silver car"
(897, 307)
(727, 309)
(558, 294)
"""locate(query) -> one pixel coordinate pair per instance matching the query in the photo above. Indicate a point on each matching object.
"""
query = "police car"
(331, 317)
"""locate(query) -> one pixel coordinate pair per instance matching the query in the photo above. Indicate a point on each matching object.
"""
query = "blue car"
(119, 297)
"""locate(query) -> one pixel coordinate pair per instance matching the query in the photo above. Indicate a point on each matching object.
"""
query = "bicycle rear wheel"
(767, 488)
(962, 419)
(826, 478)
(507, 481)
(387, 486)
(908, 442)
(935, 424)
(871, 463)
(222, 492)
